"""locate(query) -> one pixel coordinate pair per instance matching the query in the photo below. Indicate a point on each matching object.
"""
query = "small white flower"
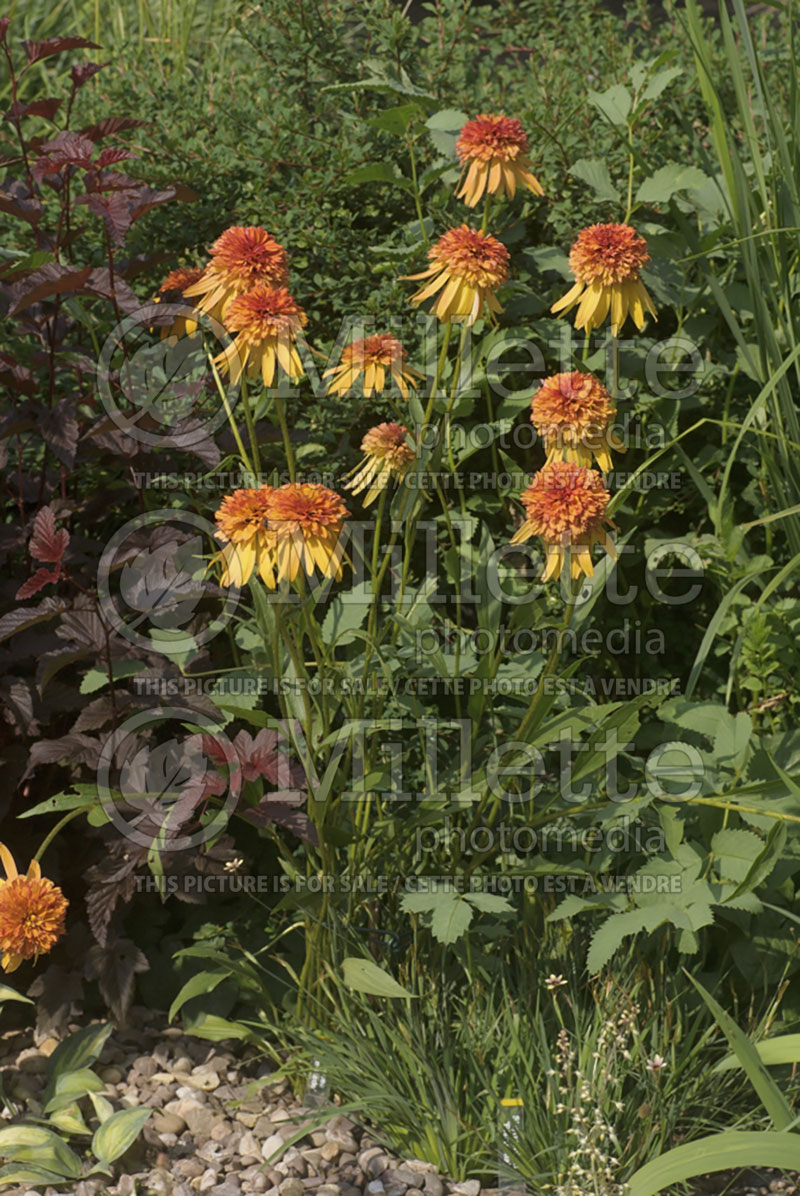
(553, 982)
(233, 865)
(656, 1063)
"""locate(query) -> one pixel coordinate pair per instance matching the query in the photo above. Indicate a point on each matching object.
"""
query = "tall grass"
(758, 164)
(176, 32)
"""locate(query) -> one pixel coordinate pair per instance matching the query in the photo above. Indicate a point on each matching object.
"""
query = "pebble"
(470, 1187)
(168, 1123)
(292, 1187)
(273, 1145)
(248, 1147)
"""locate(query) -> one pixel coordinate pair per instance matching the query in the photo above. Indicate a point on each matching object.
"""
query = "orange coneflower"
(494, 152)
(573, 412)
(32, 912)
(307, 521)
(172, 291)
(372, 356)
(566, 504)
(241, 258)
(247, 543)
(267, 320)
(386, 455)
(468, 267)
(606, 260)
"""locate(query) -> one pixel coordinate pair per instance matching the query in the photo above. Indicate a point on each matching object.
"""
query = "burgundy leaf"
(4, 24)
(69, 749)
(36, 51)
(66, 149)
(102, 711)
(17, 200)
(111, 124)
(82, 72)
(294, 820)
(115, 211)
(47, 544)
(17, 377)
(99, 283)
(25, 617)
(51, 279)
(113, 154)
(37, 582)
(60, 430)
(138, 265)
(114, 967)
(47, 108)
(151, 199)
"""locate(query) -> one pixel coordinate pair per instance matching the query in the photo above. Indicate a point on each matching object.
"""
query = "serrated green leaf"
(614, 103)
(346, 614)
(662, 185)
(451, 918)
(596, 174)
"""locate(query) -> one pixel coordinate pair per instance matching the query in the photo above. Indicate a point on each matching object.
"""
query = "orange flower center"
(305, 506)
(249, 255)
(574, 400)
(180, 279)
(243, 513)
(565, 500)
(32, 914)
(265, 312)
(489, 136)
(380, 349)
(479, 258)
(608, 253)
(388, 442)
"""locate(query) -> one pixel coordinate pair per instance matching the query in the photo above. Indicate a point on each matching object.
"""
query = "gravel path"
(221, 1126)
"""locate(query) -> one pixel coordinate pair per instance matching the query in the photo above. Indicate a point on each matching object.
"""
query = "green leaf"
(765, 861)
(215, 1028)
(11, 994)
(376, 172)
(614, 103)
(718, 1152)
(29, 1175)
(608, 937)
(736, 851)
(79, 1050)
(595, 173)
(43, 1148)
(772, 1052)
(72, 1085)
(364, 976)
(396, 120)
(86, 795)
(490, 903)
(451, 918)
(660, 82)
(766, 1088)
(444, 127)
(97, 678)
(346, 614)
(662, 185)
(195, 986)
(118, 1132)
